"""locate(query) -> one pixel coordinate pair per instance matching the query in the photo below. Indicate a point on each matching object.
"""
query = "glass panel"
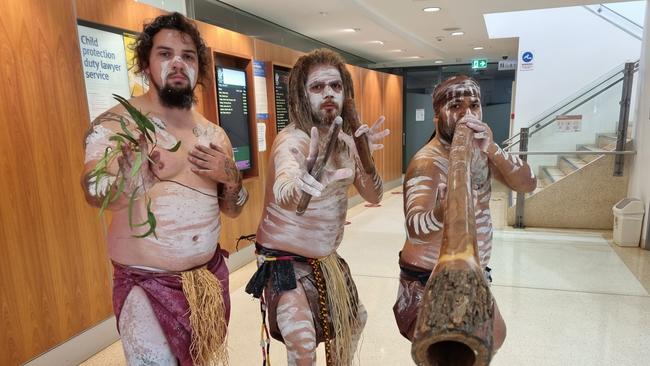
(578, 126)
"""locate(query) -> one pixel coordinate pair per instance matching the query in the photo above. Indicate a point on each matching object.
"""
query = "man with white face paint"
(170, 291)
(456, 101)
(299, 268)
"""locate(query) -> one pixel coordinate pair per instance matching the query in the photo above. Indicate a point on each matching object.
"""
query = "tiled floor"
(568, 297)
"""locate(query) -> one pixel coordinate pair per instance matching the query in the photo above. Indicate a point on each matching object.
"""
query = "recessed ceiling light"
(431, 9)
(351, 30)
(438, 61)
(459, 33)
(377, 42)
(478, 48)
(398, 50)
(412, 57)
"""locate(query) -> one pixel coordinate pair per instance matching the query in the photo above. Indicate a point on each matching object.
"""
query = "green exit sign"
(479, 64)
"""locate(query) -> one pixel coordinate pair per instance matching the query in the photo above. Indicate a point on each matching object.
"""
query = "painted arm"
(368, 184)
(507, 168)
(511, 170)
(97, 143)
(425, 185)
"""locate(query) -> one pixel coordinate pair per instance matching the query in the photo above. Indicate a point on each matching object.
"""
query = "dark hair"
(175, 21)
(299, 108)
(443, 93)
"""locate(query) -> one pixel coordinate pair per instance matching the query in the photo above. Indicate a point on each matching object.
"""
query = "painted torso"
(427, 169)
(188, 222)
(318, 232)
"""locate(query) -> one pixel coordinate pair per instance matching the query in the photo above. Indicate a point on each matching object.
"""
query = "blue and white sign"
(259, 79)
(527, 61)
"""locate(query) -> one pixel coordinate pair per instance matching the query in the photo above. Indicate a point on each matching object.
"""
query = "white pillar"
(639, 186)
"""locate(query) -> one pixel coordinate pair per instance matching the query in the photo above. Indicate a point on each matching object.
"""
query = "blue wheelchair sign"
(527, 56)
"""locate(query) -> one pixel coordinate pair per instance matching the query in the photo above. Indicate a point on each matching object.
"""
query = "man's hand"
(215, 164)
(373, 133)
(482, 132)
(148, 170)
(304, 180)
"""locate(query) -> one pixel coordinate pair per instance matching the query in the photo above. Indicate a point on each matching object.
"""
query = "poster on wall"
(104, 67)
(281, 87)
(569, 123)
(259, 79)
(137, 82)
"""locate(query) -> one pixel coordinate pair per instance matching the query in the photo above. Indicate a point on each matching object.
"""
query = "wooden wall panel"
(279, 55)
(392, 105)
(371, 107)
(54, 273)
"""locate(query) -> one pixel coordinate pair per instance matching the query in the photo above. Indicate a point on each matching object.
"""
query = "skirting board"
(88, 343)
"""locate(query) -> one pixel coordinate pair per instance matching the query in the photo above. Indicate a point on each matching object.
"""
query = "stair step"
(605, 140)
(554, 173)
(589, 158)
(566, 166)
(576, 161)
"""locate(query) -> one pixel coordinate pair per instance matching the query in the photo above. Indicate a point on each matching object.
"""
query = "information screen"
(281, 84)
(233, 113)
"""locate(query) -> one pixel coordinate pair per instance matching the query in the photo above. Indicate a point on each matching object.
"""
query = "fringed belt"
(275, 265)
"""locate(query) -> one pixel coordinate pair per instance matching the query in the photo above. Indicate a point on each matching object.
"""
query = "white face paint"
(167, 68)
(325, 89)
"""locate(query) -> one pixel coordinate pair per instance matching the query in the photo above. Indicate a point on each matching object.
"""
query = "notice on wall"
(259, 80)
(505, 65)
(261, 136)
(527, 61)
(569, 123)
(419, 115)
(104, 66)
(137, 82)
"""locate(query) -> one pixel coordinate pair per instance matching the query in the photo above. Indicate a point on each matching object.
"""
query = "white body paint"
(421, 197)
(326, 75)
(142, 336)
(188, 222)
(322, 224)
(167, 68)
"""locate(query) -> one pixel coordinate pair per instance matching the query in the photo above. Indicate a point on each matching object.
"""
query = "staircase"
(578, 192)
(567, 164)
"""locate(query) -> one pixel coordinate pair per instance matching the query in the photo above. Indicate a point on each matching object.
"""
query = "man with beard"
(456, 101)
(170, 291)
(308, 289)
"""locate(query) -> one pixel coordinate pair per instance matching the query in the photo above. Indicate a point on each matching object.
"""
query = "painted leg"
(142, 336)
(296, 324)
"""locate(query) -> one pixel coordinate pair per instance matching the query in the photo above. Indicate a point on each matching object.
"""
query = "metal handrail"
(622, 16)
(581, 152)
(610, 21)
(508, 142)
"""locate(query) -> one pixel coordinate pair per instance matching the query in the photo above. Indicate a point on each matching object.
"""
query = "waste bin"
(628, 220)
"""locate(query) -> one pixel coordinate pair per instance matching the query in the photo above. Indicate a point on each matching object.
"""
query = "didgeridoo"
(454, 323)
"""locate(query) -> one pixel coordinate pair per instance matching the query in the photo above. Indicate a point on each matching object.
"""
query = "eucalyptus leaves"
(126, 140)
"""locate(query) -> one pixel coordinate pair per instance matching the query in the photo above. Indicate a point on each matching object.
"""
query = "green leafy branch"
(127, 139)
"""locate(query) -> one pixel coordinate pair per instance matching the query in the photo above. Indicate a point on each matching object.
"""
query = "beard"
(324, 118)
(175, 97)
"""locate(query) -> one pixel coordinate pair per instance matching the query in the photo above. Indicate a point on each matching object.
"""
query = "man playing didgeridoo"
(456, 101)
(170, 280)
(299, 269)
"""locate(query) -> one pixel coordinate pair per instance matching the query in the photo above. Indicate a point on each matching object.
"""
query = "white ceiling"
(400, 24)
